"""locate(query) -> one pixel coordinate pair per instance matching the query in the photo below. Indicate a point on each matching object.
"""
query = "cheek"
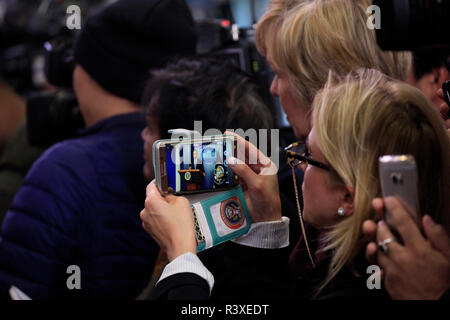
(287, 101)
(148, 155)
(293, 108)
(147, 149)
(149, 139)
(319, 203)
(148, 165)
(309, 192)
(299, 120)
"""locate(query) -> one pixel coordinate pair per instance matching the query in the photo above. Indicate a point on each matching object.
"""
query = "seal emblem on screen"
(219, 175)
(231, 213)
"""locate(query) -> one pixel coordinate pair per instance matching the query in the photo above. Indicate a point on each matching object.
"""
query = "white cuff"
(188, 262)
(266, 235)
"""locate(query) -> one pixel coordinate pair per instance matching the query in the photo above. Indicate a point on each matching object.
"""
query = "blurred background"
(35, 60)
(38, 107)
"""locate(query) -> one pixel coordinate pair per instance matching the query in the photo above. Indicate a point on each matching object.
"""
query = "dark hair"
(426, 62)
(205, 89)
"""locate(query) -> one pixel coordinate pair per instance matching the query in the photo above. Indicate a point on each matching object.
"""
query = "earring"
(341, 212)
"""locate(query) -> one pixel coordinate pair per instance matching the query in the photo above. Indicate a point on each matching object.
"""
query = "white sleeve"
(266, 235)
(188, 262)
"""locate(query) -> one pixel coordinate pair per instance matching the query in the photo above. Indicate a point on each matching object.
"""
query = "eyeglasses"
(297, 154)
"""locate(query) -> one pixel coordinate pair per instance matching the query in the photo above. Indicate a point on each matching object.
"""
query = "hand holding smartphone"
(194, 167)
(398, 178)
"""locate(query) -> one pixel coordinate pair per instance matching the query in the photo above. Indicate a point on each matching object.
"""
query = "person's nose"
(303, 166)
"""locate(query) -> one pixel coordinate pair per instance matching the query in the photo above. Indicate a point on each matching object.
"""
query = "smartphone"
(194, 165)
(398, 177)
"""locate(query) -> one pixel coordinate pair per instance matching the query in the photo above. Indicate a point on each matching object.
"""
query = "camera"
(37, 61)
(397, 178)
(219, 39)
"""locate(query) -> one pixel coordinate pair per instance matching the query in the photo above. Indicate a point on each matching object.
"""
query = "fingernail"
(390, 203)
(427, 220)
(231, 161)
(380, 224)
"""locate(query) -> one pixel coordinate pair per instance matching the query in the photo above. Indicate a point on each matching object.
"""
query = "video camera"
(24, 28)
(43, 55)
(218, 39)
(223, 38)
(37, 61)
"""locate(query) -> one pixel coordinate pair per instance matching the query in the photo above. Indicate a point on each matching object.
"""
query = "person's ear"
(347, 201)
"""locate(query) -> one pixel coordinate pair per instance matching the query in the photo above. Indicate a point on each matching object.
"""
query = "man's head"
(206, 90)
(119, 45)
(429, 72)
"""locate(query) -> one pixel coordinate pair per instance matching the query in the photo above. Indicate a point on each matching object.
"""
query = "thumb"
(436, 235)
(154, 199)
(170, 198)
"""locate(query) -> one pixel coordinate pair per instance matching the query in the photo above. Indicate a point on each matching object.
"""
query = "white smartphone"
(194, 165)
(398, 177)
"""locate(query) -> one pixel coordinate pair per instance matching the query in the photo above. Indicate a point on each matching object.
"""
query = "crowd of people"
(92, 201)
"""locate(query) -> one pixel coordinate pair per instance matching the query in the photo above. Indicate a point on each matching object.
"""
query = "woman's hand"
(417, 269)
(258, 175)
(170, 221)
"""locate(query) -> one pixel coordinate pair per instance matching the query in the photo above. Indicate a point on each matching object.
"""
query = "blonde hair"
(306, 38)
(364, 116)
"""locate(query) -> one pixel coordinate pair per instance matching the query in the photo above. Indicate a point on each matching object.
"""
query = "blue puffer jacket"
(79, 205)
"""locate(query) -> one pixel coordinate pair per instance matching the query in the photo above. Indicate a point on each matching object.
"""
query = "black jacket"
(264, 274)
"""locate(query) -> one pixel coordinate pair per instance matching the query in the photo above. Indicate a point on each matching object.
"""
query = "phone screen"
(193, 167)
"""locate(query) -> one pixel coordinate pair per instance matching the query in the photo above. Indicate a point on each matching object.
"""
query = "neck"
(103, 106)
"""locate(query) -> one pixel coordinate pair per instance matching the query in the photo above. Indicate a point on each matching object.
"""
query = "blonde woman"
(355, 120)
(361, 120)
(303, 40)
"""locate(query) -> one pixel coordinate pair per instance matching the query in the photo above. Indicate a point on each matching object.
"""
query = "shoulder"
(65, 160)
(66, 151)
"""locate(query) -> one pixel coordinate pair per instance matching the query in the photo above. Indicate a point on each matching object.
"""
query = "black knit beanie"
(121, 43)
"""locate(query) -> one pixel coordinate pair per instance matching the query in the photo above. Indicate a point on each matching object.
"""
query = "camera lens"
(396, 178)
